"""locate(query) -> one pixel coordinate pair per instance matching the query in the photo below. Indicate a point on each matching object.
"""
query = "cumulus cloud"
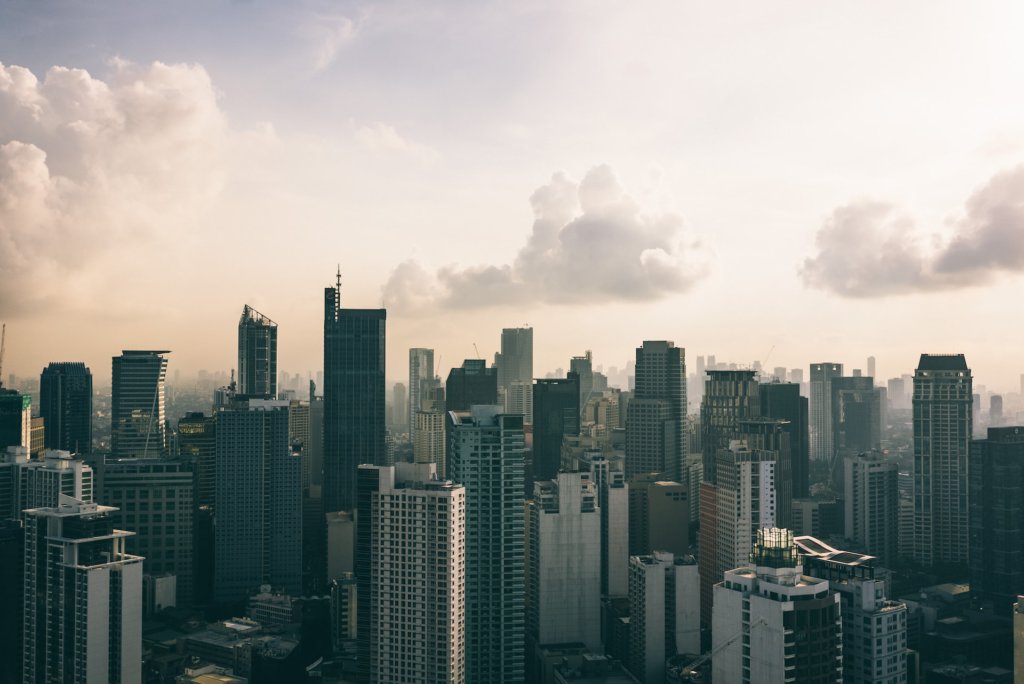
(591, 242)
(869, 249)
(380, 137)
(89, 164)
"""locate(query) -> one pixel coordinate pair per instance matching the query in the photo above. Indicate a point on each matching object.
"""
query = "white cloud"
(380, 137)
(591, 243)
(331, 34)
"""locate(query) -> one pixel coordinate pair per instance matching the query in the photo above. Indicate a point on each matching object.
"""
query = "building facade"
(556, 415)
(664, 612)
(65, 404)
(138, 401)
(872, 503)
(656, 419)
(729, 397)
(257, 355)
(421, 372)
(822, 375)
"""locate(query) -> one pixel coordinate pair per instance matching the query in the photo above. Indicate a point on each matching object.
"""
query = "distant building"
(410, 569)
(659, 516)
(996, 496)
(138, 418)
(857, 415)
(400, 418)
(83, 597)
(729, 397)
(822, 374)
(656, 419)
(782, 401)
(421, 372)
(486, 455)
(515, 361)
(257, 355)
(772, 623)
(664, 616)
(197, 442)
(872, 502)
(15, 419)
(65, 403)
(583, 366)
(471, 385)
(354, 429)
(943, 425)
(613, 499)
(556, 415)
(519, 399)
(39, 483)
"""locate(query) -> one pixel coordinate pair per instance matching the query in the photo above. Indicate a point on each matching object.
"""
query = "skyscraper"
(872, 500)
(486, 455)
(556, 414)
(138, 427)
(15, 419)
(65, 403)
(613, 499)
(411, 573)
(515, 361)
(39, 483)
(470, 385)
(258, 504)
(257, 355)
(583, 366)
(996, 497)
(353, 395)
(197, 442)
(782, 401)
(729, 397)
(664, 612)
(821, 409)
(856, 415)
(421, 371)
(400, 417)
(83, 597)
(656, 419)
(943, 423)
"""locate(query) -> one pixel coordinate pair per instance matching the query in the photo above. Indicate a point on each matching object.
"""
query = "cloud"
(331, 34)
(380, 137)
(591, 243)
(90, 166)
(869, 249)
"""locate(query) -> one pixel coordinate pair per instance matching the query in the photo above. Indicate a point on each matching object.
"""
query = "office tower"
(556, 414)
(472, 384)
(15, 419)
(83, 597)
(613, 500)
(796, 376)
(153, 497)
(874, 628)
(563, 569)
(401, 404)
(583, 366)
(872, 500)
(39, 483)
(782, 401)
(138, 427)
(857, 409)
(487, 456)
(772, 623)
(738, 506)
(779, 374)
(421, 370)
(996, 496)
(37, 437)
(519, 400)
(515, 362)
(995, 410)
(943, 424)
(896, 393)
(656, 420)
(65, 403)
(258, 502)
(729, 397)
(659, 516)
(664, 612)
(353, 395)
(257, 355)
(411, 574)
(429, 444)
(197, 442)
(771, 434)
(871, 367)
(822, 375)
(12, 581)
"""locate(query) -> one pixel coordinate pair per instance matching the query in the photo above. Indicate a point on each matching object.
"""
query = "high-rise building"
(563, 569)
(583, 366)
(258, 502)
(943, 424)
(857, 410)
(257, 355)
(519, 399)
(353, 395)
(659, 516)
(39, 483)
(421, 370)
(613, 499)
(822, 375)
(411, 573)
(138, 419)
(556, 414)
(772, 434)
(782, 401)
(729, 397)
(871, 367)
(15, 419)
(401, 406)
(772, 623)
(486, 455)
(153, 498)
(197, 442)
(82, 598)
(664, 612)
(738, 507)
(12, 581)
(515, 361)
(872, 501)
(471, 385)
(65, 403)
(996, 497)
(656, 419)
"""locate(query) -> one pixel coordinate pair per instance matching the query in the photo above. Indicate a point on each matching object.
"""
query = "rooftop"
(942, 362)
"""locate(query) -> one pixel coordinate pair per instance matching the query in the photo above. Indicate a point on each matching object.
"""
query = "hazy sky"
(831, 180)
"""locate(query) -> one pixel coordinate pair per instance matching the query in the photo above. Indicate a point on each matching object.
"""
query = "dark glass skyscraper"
(137, 408)
(474, 384)
(257, 354)
(65, 403)
(782, 401)
(729, 397)
(656, 418)
(353, 396)
(556, 413)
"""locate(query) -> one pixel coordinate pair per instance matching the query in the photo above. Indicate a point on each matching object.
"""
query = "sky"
(778, 182)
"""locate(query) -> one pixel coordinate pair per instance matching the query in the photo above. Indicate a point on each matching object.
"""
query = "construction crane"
(689, 670)
(3, 344)
(477, 350)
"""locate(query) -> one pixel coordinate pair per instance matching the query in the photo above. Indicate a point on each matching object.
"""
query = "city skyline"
(349, 140)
